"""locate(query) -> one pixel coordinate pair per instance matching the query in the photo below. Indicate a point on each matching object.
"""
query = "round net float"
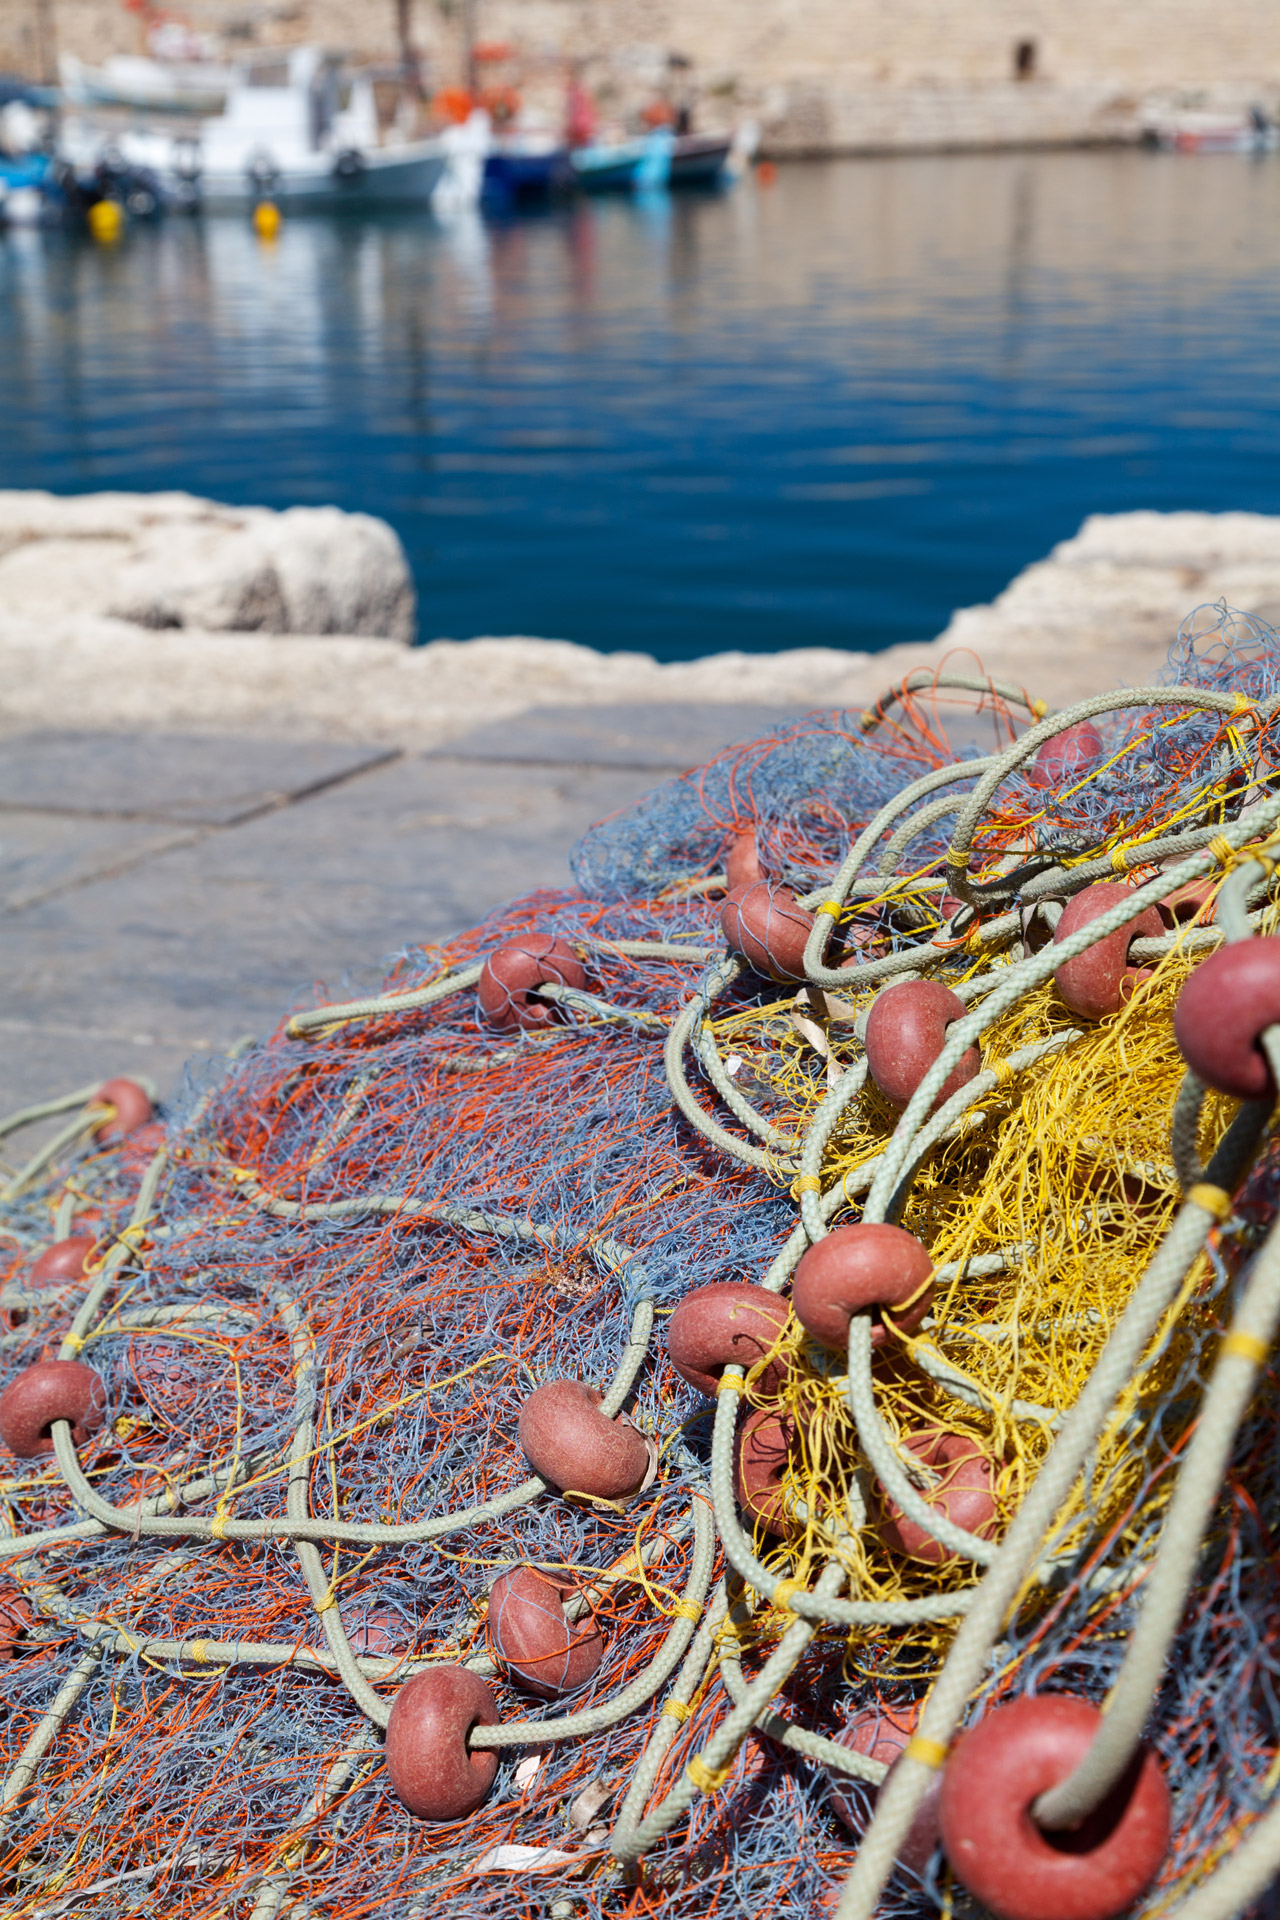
(16, 1618)
(742, 861)
(534, 1639)
(881, 1733)
(860, 1269)
(511, 976)
(1222, 1011)
(761, 1458)
(48, 1391)
(906, 1031)
(1184, 903)
(1021, 1871)
(766, 927)
(578, 1449)
(378, 1634)
(1099, 980)
(724, 1324)
(1066, 758)
(429, 1765)
(64, 1260)
(964, 1494)
(131, 1106)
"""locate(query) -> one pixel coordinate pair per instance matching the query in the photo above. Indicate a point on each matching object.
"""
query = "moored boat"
(699, 159)
(624, 165)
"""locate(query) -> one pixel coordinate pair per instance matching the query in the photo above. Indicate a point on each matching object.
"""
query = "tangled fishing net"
(548, 1439)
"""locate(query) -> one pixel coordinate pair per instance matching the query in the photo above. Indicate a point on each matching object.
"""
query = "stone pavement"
(162, 896)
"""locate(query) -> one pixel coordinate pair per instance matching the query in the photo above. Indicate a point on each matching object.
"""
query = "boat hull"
(699, 159)
(396, 178)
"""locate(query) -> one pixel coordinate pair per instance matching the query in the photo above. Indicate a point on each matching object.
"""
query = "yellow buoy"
(266, 219)
(106, 220)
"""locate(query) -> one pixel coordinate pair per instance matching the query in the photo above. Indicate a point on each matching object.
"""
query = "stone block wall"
(819, 75)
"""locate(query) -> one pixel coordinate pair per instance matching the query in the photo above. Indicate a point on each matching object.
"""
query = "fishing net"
(321, 1288)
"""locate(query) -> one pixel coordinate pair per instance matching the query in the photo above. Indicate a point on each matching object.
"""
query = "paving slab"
(190, 778)
(660, 735)
(45, 853)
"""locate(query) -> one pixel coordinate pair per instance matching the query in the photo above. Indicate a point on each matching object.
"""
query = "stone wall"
(819, 75)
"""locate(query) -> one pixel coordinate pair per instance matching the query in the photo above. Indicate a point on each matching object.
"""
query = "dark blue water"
(824, 412)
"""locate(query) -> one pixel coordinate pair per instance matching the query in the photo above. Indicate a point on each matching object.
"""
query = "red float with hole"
(964, 1494)
(64, 1261)
(728, 1323)
(1222, 1012)
(1021, 1871)
(131, 1108)
(1066, 758)
(50, 1390)
(906, 1031)
(532, 1635)
(862, 1269)
(742, 861)
(881, 1733)
(510, 978)
(766, 926)
(429, 1764)
(761, 1459)
(1099, 980)
(16, 1619)
(578, 1449)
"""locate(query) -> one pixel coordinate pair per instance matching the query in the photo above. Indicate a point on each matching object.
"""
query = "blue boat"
(624, 166)
(522, 169)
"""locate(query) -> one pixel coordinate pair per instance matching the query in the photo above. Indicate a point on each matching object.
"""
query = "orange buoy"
(1099, 980)
(768, 927)
(511, 976)
(906, 1031)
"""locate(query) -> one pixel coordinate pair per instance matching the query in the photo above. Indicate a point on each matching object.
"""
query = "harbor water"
(820, 412)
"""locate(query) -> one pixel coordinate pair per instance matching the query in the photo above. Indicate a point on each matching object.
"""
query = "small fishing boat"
(699, 159)
(525, 166)
(298, 131)
(624, 166)
(1202, 132)
(146, 85)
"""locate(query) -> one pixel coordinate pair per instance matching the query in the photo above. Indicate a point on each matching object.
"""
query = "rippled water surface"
(822, 412)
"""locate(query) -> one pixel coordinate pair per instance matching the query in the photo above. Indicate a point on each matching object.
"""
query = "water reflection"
(824, 413)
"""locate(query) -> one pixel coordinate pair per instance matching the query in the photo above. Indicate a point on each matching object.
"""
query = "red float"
(429, 1764)
(742, 861)
(906, 1031)
(48, 1391)
(1021, 1871)
(1223, 1009)
(726, 1323)
(510, 977)
(761, 1460)
(533, 1638)
(132, 1108)
(65, 1260)
(1099, 980)
(576, 1448)
(16, 1618)
(860, 1269)
(881, 1733)
(768, 928)
(965, 1495)
(1184, 903)
(1066, 758)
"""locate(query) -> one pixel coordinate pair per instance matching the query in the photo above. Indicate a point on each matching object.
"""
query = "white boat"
(297, 131)
(145, 85)
(1203, 132)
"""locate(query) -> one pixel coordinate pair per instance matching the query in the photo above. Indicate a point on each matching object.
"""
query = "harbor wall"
(820, 76)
